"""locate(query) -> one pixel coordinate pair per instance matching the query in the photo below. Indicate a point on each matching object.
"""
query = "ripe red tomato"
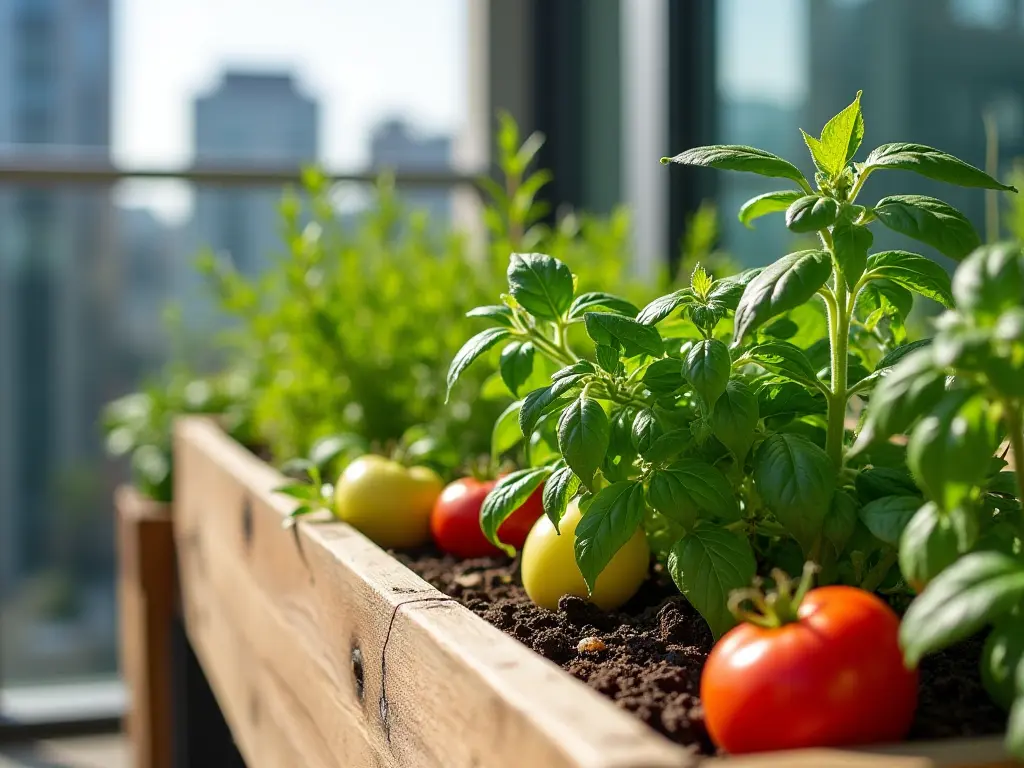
(455, 521)
(835, 676)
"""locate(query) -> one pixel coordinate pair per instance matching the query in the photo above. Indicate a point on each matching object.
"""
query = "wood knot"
(357, 670)
(247, 523)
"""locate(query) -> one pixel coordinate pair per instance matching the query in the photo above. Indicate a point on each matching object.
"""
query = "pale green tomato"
(386, 501)
(550, 570)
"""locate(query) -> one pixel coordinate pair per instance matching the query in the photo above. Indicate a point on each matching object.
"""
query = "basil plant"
(716, 417)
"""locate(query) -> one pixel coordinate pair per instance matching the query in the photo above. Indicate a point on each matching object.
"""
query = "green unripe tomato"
(388, 502)
(550, 570)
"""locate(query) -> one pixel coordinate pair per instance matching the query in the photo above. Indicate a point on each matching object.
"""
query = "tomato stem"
(774, 608)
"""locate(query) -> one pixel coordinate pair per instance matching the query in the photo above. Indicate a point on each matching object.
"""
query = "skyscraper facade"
(394, 146)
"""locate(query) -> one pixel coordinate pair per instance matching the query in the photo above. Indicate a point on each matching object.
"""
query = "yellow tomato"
(550, 570)
(388, 502)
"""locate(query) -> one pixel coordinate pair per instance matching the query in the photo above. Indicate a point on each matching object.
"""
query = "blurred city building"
(396, 146)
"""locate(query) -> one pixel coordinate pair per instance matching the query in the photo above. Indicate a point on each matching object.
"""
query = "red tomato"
(455, 521)
(833, 677)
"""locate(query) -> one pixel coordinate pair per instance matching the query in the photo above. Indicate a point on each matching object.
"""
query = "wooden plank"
(324, 651)
(147, 589)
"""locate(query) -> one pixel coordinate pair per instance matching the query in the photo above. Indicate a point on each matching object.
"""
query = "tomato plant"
(715, 417)
(455, 520)
(810, 668)
(959, 398)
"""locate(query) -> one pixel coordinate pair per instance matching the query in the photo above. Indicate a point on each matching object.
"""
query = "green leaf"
(769, 202)
(786, 284)
(811, 213)
(931, 221)
(664, 306)
(583, 435)
(611, 519)
(796, 479)
(508, 494)
(787, 398)
(728, 290)
(664, 376)
(928, 546)
(516, 365)
(888, 516)
(851, 243)
(910, 389)
(840, 520)
(976, 590)
(990, 280)
(781, 328)
(328, 449)
(707, 564)
(913, 272)
(607, 358)
(688, 488)
(888, 361)
(949, 449)
(880, 299)
(558, 492)
(930, 163)
(542, 401)
(734, 419)
(840, 139)
(645, 430)
(615, 330)
(785, 359)
(1002, 660)
(707, 367)
(1015, 723)
(876, 482)
(497, 312)
(595, 299)
(669, 445)
(735, 157)
(302, 491)
(470, 351)
(541, 284)
(506, 434)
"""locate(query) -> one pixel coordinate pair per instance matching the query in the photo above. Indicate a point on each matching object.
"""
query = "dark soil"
(654, 650)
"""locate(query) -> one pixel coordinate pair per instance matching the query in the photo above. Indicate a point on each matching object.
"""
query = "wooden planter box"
(323, 651)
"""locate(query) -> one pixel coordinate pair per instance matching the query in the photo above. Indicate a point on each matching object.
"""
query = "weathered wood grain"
(146, 589)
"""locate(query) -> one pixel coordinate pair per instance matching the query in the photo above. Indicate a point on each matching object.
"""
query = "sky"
(363, 60)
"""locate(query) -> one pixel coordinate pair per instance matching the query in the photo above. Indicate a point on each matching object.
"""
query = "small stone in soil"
(591, 645)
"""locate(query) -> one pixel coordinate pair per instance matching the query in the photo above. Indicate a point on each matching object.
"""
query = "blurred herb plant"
(732, 454)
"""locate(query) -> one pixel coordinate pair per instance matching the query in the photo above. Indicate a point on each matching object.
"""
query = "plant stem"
(839, 343)
(873, 579)
(1016, 427)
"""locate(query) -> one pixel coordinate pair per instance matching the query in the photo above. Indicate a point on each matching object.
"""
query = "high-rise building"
(249, 118)
(57, 271)
(394, 146)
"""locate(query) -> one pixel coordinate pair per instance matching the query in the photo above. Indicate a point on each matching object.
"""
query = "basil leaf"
(607, 357)
(470, 351)
(990, 280)
(782, 328)
(787, 398)
(811, 213)
(974, 591)
(769, 202)
(785, 359)
(645, 430)
(707, 367)
(928, 546)
(541, 284)
(580, 366)
(617, 331)
(930, 163)
(664, 306)
(516, 365)
(796, 480)
(558, 492)
(542, 401)
(885, 365)
(910, 389)
(595, 299)
(840, 139)
(583, 435)
(1002, 659)
(786, 284)
(498, 313)
(669, 445)
(508, 494)
(506, 434)
(949, 450)
(665, 376)
(884, 299)
(611, 519)
(736, 157)
(734, 419)
(840, 520)
(888, 516)
(728, 290)
(707, 564)
(851, 243)
(914, 272)
(682, 491)
(931, 221)
(877, 482)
